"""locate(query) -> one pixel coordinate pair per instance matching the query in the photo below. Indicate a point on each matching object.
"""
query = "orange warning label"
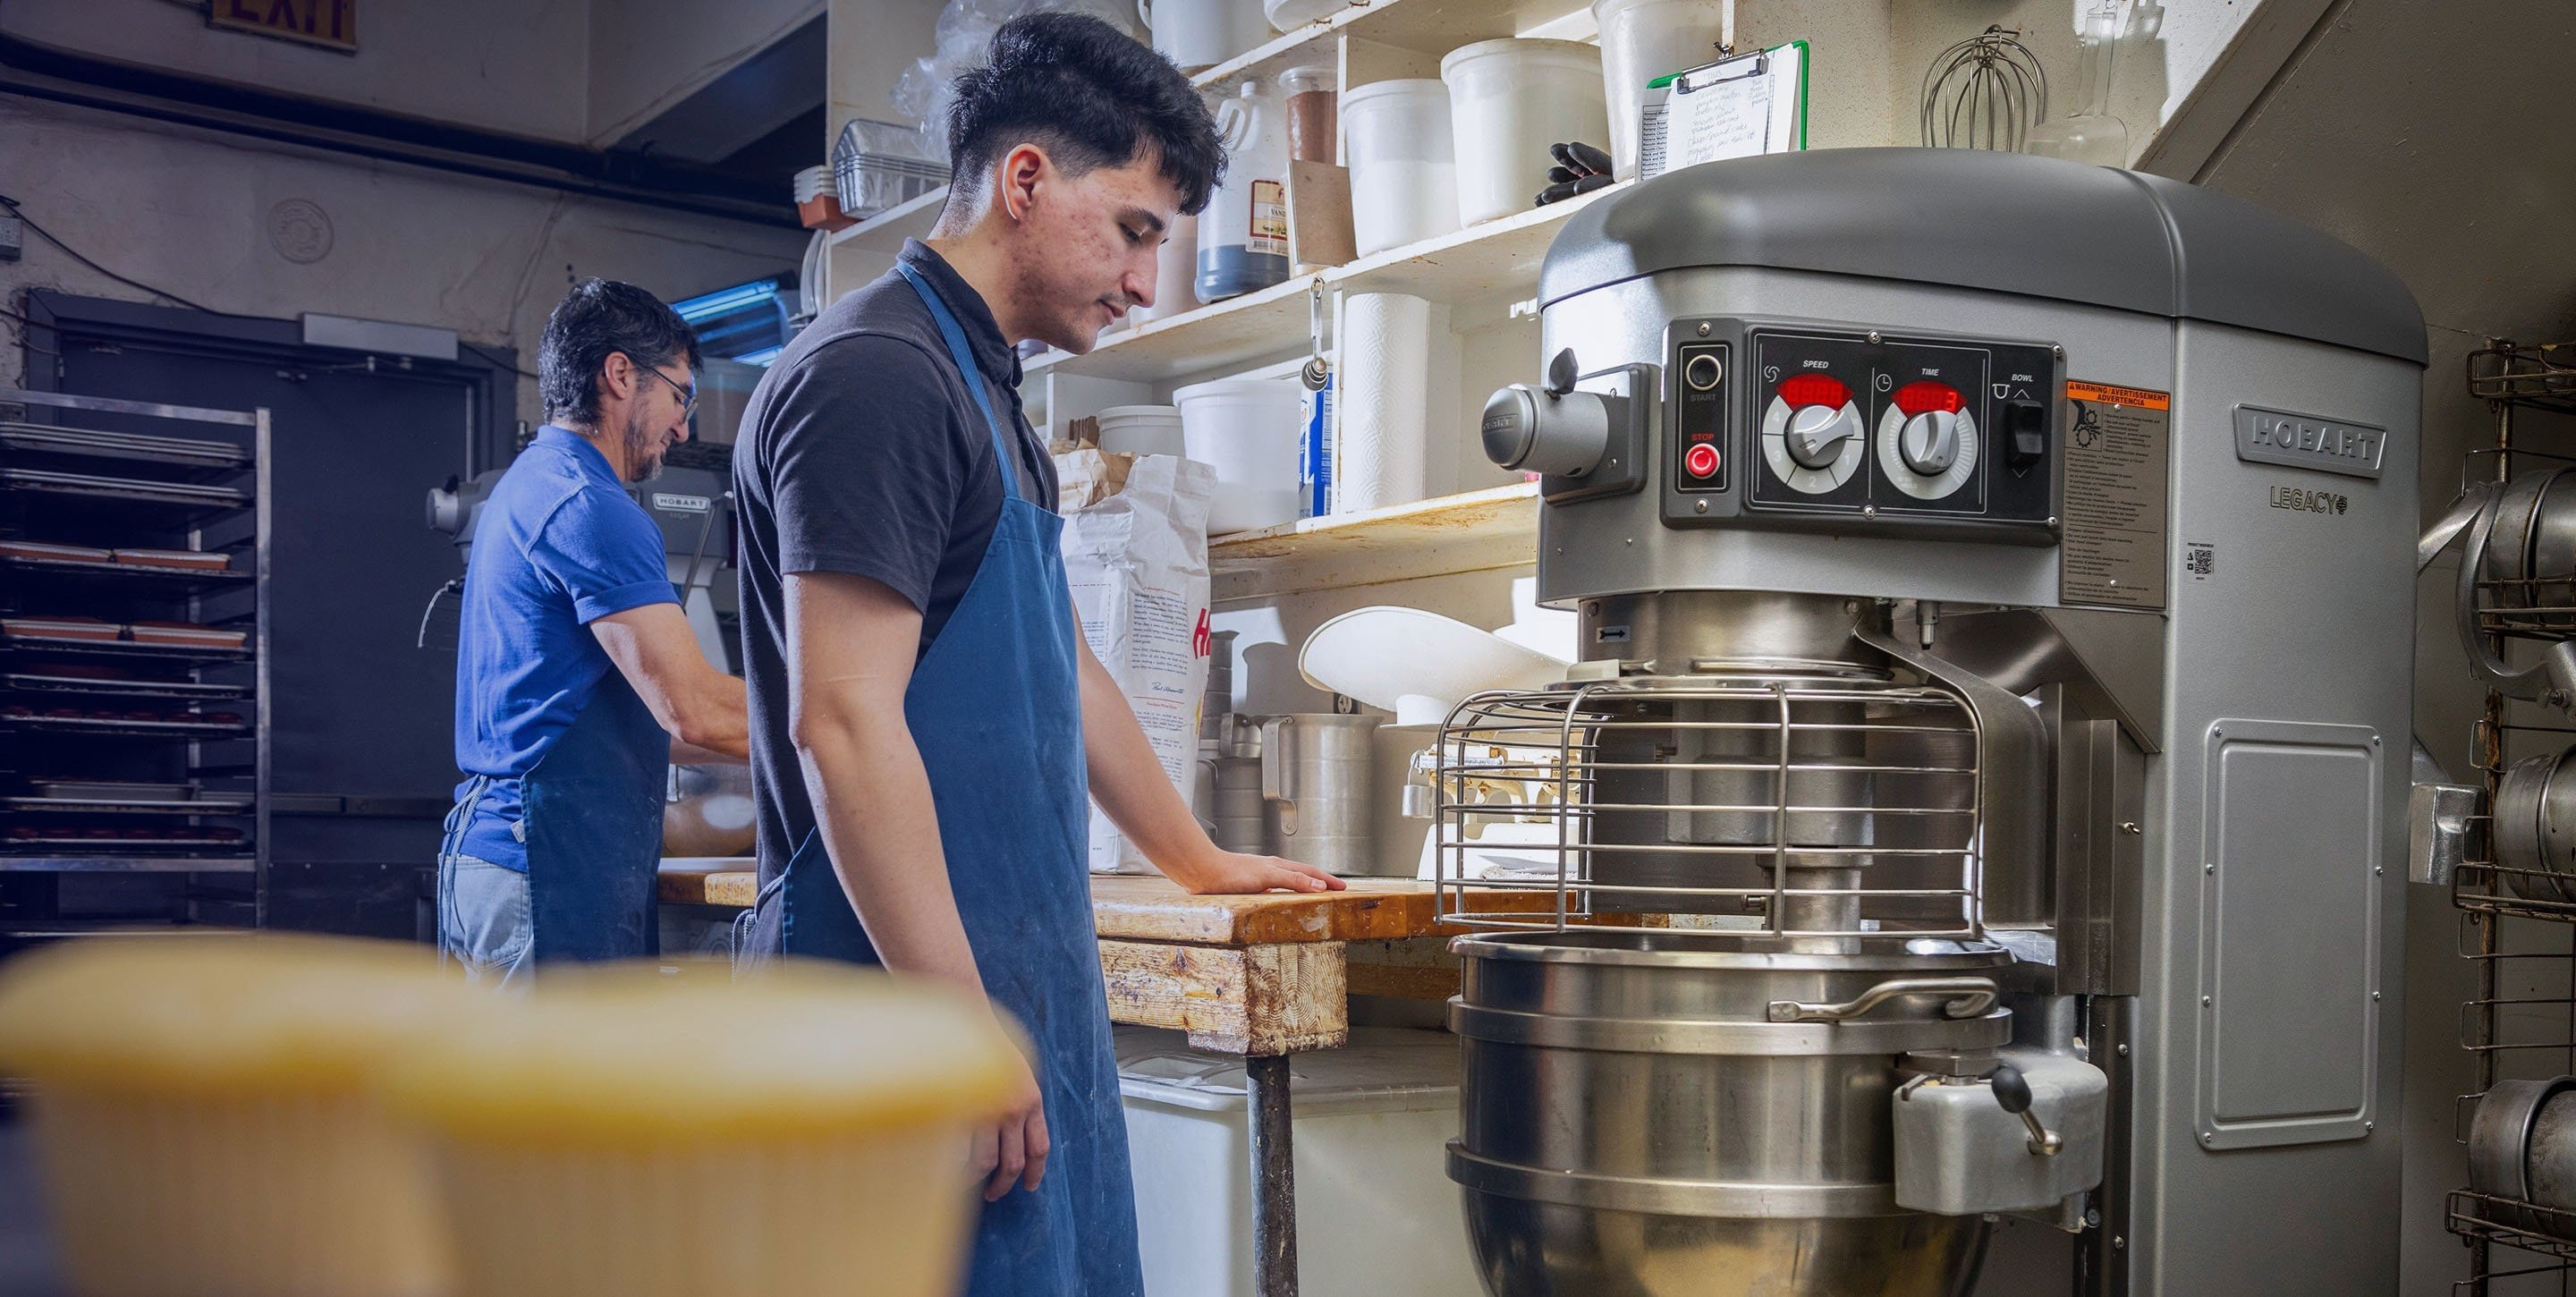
(2105, 393)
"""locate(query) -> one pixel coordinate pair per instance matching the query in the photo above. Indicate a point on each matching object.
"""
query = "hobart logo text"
(2306, 441)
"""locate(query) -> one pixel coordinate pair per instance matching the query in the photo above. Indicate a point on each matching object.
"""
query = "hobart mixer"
(1982, 796)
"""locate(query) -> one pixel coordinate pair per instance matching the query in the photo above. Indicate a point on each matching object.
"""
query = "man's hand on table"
(1221, 872)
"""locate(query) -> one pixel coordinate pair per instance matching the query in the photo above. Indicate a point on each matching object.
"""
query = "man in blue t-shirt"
(578, 679)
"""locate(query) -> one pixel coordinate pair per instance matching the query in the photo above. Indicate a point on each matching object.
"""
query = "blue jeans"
(483, 920)
(484, 913)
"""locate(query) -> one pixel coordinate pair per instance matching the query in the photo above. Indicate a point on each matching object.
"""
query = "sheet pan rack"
(127, 755)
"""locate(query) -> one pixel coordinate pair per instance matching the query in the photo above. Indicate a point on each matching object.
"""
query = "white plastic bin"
(1509, 100)
(1141, 429)
(1403, 161)
(1250, 431)
(1199, 34)
(1376, 1212)
(1640, 41)
(1176, 273)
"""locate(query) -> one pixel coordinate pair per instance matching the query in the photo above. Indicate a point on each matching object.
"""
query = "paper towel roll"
(1382, 456)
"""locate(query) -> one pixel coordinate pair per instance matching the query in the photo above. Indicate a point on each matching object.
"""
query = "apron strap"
(971, 375)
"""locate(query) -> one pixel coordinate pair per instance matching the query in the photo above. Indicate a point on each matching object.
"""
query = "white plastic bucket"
(1640, 41)
(1509, 100)
(1248, 429)
(1199, 34)
(1141, 429)
(1176, 273)
(1374, 1201)
(1403, 160)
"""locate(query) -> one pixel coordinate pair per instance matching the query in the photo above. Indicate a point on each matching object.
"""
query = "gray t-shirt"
(862, 452)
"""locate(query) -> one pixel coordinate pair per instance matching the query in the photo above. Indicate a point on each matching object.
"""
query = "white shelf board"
(1497, 258)
(1476, 531)
(1235, 331)
(886, 231)
(1431, 27)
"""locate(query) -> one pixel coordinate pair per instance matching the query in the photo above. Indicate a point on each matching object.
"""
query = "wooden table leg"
(1274, 1177)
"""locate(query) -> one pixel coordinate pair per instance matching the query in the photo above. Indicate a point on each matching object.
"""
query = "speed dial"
(1812, 433)
(1927, 440)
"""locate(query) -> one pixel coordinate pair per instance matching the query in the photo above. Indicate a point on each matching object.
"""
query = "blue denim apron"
(591, 817)
(995, 706)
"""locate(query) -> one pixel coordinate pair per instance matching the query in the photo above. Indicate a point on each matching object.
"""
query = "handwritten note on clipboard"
(1733, 108)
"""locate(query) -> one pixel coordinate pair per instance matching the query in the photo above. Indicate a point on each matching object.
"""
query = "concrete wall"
(519, 66)
(873, 41)
(190, 211)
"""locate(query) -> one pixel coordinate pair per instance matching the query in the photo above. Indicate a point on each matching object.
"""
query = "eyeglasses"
(688, 396)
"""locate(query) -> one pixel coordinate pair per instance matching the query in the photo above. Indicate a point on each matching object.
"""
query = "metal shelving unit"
(2518, 924)
(168, 743)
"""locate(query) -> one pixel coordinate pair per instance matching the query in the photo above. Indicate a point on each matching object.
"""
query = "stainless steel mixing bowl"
(1637, 1122)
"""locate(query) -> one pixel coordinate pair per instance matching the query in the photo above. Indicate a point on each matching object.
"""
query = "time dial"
(1927, 440)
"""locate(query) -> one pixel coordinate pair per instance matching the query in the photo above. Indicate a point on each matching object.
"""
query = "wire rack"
(2518, 923)
(1811, 807)
(2542, 377)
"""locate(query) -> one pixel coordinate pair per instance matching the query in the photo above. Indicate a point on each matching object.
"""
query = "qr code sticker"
(2200, 559)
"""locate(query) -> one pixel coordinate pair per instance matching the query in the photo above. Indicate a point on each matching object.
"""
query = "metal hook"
(1317, 371)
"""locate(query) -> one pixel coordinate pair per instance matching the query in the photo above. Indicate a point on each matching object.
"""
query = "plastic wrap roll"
(1383, 458)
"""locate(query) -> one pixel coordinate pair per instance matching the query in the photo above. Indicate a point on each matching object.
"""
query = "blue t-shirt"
(558, 546)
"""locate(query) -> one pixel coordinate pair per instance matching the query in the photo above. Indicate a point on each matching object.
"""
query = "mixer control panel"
(1860, 431)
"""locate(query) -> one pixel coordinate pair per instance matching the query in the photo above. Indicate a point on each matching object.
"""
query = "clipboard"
(1736, 107)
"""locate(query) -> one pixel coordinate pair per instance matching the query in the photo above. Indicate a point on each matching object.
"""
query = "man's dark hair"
(597, 317)
(1089, 95)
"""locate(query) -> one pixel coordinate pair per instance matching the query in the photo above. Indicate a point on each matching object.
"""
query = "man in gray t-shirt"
(927, 723)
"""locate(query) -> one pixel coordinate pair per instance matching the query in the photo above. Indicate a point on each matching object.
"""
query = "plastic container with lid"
(1510, 99)
(633, 1134)
(1374, 1201)
(1141, 429)
(206, 1113)
(1311, 95)
(1403, 160)
(1176, 272)
(1250, 431)
(1199, 34)
(1243, 234)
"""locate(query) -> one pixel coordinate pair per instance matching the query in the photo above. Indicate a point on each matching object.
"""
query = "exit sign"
(331, 24)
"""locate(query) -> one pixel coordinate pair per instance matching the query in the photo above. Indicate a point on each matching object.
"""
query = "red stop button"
(1700, 460)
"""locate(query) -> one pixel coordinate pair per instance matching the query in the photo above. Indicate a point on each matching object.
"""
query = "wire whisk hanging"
(1985, 92)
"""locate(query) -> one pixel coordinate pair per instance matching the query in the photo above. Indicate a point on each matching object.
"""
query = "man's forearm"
(873, 808)
(716, 718)
(1127, 778)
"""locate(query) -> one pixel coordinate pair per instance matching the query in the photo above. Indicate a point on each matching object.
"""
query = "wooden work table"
(1257, 975)
(1262, 976)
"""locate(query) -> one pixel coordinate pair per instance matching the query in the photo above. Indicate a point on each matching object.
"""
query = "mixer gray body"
(2209, 608)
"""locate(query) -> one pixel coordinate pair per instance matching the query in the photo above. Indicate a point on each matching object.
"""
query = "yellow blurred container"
(632, 1134)
(205, 1115)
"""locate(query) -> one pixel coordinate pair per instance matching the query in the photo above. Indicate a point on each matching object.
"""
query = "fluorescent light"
(761, 357)
(707, 306)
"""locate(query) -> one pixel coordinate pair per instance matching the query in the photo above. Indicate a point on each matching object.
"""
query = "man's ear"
(1024, 170)
(616, 375)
